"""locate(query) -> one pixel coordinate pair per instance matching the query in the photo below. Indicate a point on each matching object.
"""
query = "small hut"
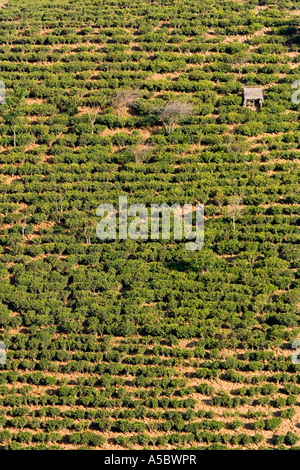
(253, 96)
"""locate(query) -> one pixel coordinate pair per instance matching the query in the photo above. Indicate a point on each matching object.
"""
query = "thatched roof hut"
(253, 95)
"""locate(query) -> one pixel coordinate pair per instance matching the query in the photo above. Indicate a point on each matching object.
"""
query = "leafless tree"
(240, 59)
(173, 113)
(24, 224)
(28, 212)
(234, 145)
(93, 113)
(234, 208)
(237, 145)
(88, 231)
(142, 153)
(59, 207)
(125, 99)
(84, 225)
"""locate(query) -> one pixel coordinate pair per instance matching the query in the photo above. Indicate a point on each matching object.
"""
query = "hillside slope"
(138, 343)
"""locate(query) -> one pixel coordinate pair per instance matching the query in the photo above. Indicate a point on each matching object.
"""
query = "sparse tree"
(24, 224)
(173, 113)
(60, 205)
(240, 59)
(29, 211)
(93, 113)
(125, 99)
(142, 153)
(237, 145)
(235, 208)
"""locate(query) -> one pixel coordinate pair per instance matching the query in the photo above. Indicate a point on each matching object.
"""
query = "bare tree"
(240, 59)
(59, 206)
(234, 145)
(234, 208)
(237, 145)
(173, 113)
(88, 229)
(93, 113)
(142, 153)
(125, 99)
(24, 225)
(82, 224)
(28, 212)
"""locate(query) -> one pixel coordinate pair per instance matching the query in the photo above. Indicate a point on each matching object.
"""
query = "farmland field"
(142, 344)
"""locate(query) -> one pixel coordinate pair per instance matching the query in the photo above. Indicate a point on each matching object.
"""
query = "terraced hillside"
(142, 344)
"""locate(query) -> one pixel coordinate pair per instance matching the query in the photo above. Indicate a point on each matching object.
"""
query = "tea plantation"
(141, 344)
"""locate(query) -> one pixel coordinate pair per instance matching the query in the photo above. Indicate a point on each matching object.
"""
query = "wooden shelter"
(253, 96)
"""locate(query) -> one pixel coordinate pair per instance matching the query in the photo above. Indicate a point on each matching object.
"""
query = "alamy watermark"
(2, 353)
(296, 94)
(141, 222)
(2, 92)
(296, 356)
